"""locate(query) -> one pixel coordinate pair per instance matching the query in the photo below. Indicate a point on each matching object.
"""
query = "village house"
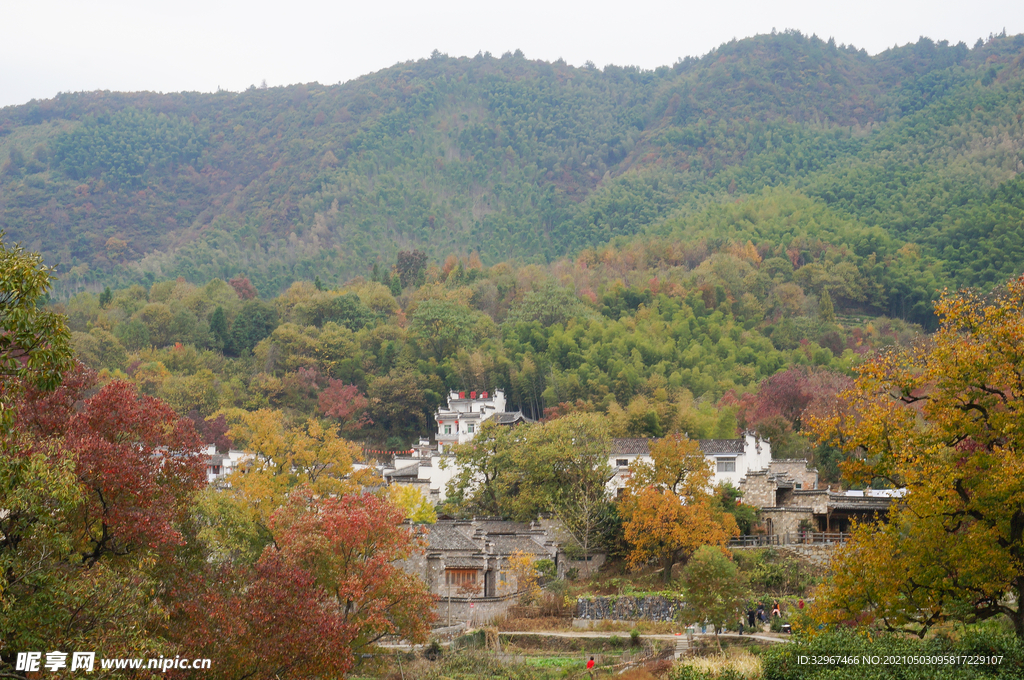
(731, 459)
(793, 506)
(467, 564)
(220, 465)
(461, 420)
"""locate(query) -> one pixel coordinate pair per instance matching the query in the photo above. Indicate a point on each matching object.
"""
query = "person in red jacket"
(590, 666)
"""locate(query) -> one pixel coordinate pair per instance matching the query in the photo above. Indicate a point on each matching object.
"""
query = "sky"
(52, 46)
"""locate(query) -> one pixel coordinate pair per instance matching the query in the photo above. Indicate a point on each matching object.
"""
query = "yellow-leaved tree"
(284, 457)
(413, 503)
(943, 420)
(669, 510)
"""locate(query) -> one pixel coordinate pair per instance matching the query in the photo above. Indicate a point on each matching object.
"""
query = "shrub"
(781, 662)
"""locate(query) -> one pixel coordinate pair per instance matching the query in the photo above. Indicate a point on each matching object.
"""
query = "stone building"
(466, 564)
(792, 504)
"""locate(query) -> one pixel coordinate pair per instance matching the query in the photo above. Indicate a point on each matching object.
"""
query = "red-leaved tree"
(97, 488)
(345, 403)
(326, 589)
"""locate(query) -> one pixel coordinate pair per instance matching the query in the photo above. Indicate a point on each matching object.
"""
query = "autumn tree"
(331, 572)
(286, 454)
(523, 567)
(778, 409)
(940, 420)
(669, 510)
(243, 287)
(100, 491)
(413, 503)
(344, 403)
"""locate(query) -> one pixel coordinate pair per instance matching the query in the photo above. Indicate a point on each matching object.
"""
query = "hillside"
(916, 150)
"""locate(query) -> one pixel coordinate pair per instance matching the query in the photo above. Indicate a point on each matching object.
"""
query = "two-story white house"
(459, 422)
(731, 459)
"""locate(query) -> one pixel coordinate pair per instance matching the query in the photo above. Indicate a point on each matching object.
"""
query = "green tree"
(255, 321)
(825, 309)
(442, 327)
(35, 344)
(716, 590)
(219, 329)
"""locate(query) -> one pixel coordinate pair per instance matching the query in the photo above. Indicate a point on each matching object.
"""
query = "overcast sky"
(51, 46)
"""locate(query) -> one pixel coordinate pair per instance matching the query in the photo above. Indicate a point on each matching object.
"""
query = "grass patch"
(738, 665)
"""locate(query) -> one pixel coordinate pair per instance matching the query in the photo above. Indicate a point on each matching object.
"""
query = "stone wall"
(476, 611)
(816, 500)
(758, 490)
(628, 608)
(803, 475)
(818, 554)
(786, 520)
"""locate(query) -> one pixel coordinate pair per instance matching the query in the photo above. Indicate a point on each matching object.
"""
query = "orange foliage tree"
(669, 510)
(941, 420)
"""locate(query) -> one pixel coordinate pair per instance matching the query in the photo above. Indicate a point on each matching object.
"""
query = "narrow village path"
(681, 640)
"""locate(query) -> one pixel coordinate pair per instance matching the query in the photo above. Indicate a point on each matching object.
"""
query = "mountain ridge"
(512, 158)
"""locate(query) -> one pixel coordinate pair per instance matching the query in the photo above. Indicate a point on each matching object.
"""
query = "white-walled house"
(731, 459)
(430, 468)
(427, 469)
(461, 420)
(220, 465)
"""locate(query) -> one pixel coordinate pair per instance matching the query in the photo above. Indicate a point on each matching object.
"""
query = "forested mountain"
(894, 175)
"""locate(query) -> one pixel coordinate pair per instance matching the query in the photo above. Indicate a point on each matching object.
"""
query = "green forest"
(663, 247)
(902, 165)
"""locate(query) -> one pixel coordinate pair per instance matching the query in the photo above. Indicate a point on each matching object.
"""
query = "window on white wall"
(727, 465)
(471, 428)
(447, 429)
(622, 462)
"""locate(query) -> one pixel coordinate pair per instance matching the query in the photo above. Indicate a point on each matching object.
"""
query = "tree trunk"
(666, 572)
(1018, 616)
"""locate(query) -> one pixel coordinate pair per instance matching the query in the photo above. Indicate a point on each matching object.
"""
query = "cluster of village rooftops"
(467, 562)
(785, 491)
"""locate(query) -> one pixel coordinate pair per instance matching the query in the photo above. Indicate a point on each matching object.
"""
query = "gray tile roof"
(446, 536)
(631, 447)
(506, 545)
(713, 446)
(407, 471)
(463, 562)
(510, 418)
(495, 527)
